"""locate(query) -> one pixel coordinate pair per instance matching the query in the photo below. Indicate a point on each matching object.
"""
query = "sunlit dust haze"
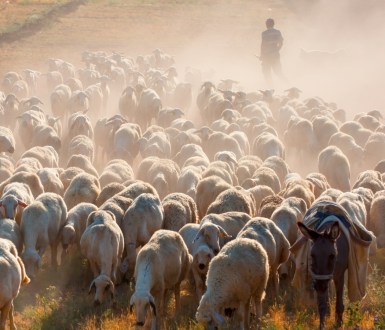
(342, 42)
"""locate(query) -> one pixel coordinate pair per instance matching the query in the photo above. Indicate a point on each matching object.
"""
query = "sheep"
(46, 155)
(126, 142)
(247, 165)
(179, 209)
(149, 106)
(84, 187)
(267, 145)
(269, 204)
(227, 288)
(286, 216)
(7, 167)
(207, 191)
(102, 243)
(15, 197)
(376, 222)
(157, 144)
(299, 188)
(116, 170)
(216, 229)
(222, 170)
(30, 179)
(259, 192)
(336, 167)
(188, 180)
(68, 174)
(12, 277)
(117, 205)
(161, 265)
(319, 182)
(373, 149)
(128, 103)
(10, 230)
(236, 200)
(75, 224)
(108, 191)
(201, 253)
(370, 179)
(82, 162)
(83, 145)
(136, 188)
(41, 223)
(273, 240)
(27, 164)
(78, 102)
(184, 137)
(79, 124)
(7, 141)
(59, 99)
(188, 151)
(213, 142)
(141, 220)
(167, 115)
(264, 176)
(163, 176)
(49, 178)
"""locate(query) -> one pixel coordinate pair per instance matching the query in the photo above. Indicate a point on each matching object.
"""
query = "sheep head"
(102, 284)
(141, 303)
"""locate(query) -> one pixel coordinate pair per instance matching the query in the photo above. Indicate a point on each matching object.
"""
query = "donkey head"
(323, 253)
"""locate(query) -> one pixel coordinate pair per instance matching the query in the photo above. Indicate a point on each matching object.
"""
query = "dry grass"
(60, 301)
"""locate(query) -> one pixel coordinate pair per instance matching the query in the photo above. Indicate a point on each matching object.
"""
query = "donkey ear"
(307, 232)
(335, 231)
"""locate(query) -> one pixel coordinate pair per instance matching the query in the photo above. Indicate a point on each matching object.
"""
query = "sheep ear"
(198, 235)
(22, 204)
(222, 232)
(218, 318)
(152, 304)
(112, 289)
(92, 286)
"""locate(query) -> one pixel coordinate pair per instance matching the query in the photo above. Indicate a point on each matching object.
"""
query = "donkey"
(329, 260)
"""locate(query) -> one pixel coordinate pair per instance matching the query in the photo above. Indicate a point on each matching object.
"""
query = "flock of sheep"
(159, 181)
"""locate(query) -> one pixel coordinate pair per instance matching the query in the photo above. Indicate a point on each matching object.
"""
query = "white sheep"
(10, 230)
(82, 144)
(84, 187)
(141, 220)
(237, 274)
(7, 141)
(84, 163)
(216, 229)
(12, 277)
(102, 243)
(75, 224)
(15, 197)
(117, 205)
(41, 223)
(109, 191)
(49, 178)
(233, 199)
(161, 265)
(201, 253)
(272, 239)
(116, 170)
(46, 155)
(179, 209)
(188, 180)
(30, 179)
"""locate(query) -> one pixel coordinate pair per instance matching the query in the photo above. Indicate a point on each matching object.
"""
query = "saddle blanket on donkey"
(358, 237)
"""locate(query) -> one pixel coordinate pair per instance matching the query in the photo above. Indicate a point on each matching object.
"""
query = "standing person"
(272, 42)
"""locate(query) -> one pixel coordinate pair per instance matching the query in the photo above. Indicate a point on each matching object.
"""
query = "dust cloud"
(332, 49)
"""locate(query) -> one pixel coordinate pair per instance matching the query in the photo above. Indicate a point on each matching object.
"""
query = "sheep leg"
(177, 299)
(199, 284)
(4, 314)
(241, 316)
(54, 254)
(247, 314)
(276, 285)
(11, 321)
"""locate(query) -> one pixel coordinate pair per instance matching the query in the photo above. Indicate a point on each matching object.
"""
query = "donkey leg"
(339, 285)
